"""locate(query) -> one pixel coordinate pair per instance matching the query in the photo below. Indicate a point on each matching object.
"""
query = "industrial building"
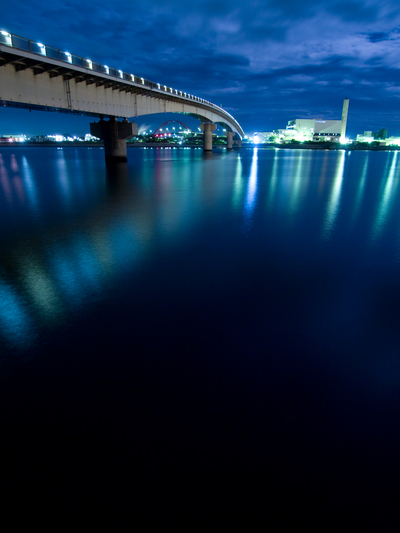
(313, 128)
(309, 129)
(379, 137)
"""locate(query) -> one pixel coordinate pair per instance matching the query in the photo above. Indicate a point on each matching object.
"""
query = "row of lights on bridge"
(88, 63)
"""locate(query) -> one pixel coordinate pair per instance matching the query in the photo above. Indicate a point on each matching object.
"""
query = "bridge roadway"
(35, 76)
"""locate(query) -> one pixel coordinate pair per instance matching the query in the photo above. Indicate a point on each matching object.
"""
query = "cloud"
(377, 37)
(267, 59)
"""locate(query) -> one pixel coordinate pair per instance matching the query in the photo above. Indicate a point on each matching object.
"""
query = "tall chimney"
(344, 119)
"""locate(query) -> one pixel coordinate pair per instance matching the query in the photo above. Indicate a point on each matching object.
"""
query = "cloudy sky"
(265, 61)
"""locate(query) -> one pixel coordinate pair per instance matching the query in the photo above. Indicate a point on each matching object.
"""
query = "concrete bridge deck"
(36, 76)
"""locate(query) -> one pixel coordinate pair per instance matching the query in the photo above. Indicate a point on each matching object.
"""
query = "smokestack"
(344, 119)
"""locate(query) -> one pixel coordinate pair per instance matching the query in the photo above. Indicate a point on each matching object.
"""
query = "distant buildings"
(309, 129)
(380, 137)
(304, 129)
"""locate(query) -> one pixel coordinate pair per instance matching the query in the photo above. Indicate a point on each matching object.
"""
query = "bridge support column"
(114, 135)
(229, 139)
(208, 128)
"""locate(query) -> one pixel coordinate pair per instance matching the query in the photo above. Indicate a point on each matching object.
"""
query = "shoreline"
(288, 146)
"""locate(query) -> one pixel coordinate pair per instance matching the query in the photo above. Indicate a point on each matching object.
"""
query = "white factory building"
(309, 129)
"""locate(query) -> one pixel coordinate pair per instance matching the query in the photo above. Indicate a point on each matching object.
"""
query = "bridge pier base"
(114, 135)
(229, 140)
(208, 128)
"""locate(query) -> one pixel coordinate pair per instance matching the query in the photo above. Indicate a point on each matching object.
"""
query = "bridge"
(160, 128)
(36, 76)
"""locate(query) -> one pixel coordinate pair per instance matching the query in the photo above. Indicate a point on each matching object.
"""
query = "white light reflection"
(273, 180)
(334, 200)
(252, 185)
(361, 188)
(29, 184)
(387, 197)
(63, 177)
(297, 182)
(238, 185)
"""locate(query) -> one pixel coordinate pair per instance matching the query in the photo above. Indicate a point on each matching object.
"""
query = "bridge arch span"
(172, 120)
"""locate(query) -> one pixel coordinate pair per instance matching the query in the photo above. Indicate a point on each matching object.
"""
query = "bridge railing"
(20, 43)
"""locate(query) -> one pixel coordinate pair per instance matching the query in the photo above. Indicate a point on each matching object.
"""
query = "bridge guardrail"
(27, 45)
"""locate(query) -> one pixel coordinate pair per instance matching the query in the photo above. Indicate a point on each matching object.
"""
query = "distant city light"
(57, 138)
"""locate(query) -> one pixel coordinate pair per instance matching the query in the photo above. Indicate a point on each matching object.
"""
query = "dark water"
(215, 331)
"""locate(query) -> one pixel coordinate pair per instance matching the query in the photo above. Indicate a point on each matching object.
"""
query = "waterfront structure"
(366, 137)
(35, 76)
(379, 137)
(308, 129)
(313, 128)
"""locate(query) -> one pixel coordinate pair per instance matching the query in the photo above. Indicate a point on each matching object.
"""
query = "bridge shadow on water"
(117, 175)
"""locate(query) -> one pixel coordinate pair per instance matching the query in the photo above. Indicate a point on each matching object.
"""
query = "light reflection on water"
(252, 186)
(389, 186)
(79, 228)
(334, 197)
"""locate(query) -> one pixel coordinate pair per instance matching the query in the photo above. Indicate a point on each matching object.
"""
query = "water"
(190, 326)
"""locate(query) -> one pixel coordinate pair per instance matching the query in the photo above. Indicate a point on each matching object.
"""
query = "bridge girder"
(31, 81)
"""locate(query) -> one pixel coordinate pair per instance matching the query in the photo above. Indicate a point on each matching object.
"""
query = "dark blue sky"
(265, 61)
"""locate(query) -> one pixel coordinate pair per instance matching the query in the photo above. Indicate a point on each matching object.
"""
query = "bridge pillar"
(208, 128)
(114, 135)
(229, 139)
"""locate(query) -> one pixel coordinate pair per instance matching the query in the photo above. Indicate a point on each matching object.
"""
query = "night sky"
(264, 61)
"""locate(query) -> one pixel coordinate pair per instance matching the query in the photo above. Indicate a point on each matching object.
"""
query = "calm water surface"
(190, 326)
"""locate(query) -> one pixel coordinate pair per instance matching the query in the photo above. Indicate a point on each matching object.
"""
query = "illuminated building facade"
(317, 129)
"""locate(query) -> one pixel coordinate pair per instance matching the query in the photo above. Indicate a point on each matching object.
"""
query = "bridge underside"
(38, 107)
